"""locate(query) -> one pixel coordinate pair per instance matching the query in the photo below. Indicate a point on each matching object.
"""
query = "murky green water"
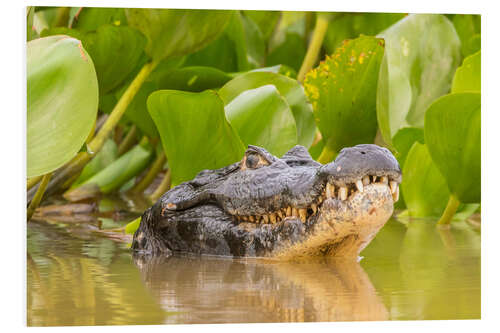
(412, 271)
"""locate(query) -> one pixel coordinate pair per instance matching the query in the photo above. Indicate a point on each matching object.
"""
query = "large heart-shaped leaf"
(468, 76)
(177, 32)
(115, 51)
(262, 117)
(453, 137)
(421, 55)
(290, 89)
(194, 132)
(342, 90)
(62, 101)
(424, 188)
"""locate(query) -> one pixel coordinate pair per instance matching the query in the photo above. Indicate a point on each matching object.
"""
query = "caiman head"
(277, 207)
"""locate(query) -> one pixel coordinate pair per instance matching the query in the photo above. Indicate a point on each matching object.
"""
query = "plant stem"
(96, 144)
(327, 155)
(33, 181)
(128, 141)
(76, 165)
(38, 195)
(449, 211)
(156, 167)
(314, 46)
(163, 187)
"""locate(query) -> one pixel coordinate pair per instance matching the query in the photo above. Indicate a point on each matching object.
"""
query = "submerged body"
(288, 207)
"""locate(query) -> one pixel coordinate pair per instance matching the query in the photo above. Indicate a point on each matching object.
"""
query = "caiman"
(265, 206)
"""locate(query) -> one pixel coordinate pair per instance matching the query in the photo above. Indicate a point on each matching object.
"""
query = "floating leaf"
(422, 53)
(342, 90)
(468, 76)
(262, 117)
(194, 124)
(290, 89)
(177, 32)
(62, 101)
(424, 188)
(453, 137)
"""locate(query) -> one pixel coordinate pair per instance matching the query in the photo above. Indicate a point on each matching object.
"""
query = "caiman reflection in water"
(260, 291)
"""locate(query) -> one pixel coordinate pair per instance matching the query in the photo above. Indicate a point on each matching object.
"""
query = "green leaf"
(132, 226)
(468, 28)
(421, 55)
(137, 111)
(62, 101)
(30, 29)
(177, 32)
(266, 20)
(228, 52)
(344, 26)
(104, 157)
(468, 76)
(424, 188)
(290, 89)
(262, 117)
(91, 18)
(342, 90)
(195, 79)
(290, 52)
(254, 41)
(114, 175)
(404, 140)
(453, 136)
(115, 51)
(194, 132)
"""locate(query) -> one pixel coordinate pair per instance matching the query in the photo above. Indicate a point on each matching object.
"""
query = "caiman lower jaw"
(312, 210)
(343, 228)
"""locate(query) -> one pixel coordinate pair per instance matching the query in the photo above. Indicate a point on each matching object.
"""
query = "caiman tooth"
(251, 218)
(320, 200)
(295, 212)
(244, 218)
(384, 180)
(366, 180)
(289, 211)
(314, 208)
(303, 214)
(272, 218)
(330, 190)
(374, 179)
(393, 186)
(395, 194)
(265, 218)
(359, 185)
(343, 193)
(280, 214)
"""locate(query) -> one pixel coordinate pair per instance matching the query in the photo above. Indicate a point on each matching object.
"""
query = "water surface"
(410, 271)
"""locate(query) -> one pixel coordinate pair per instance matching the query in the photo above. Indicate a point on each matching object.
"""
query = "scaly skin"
(264, 206)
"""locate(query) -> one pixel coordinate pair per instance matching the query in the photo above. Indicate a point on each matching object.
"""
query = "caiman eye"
(252, 161)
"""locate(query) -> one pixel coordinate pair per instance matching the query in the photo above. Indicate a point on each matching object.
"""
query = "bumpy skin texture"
(288, 207)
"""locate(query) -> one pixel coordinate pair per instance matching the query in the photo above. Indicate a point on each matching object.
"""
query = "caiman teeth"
(303, 214)
(330, 191)
(395, 194)
(265, 218)
(251, 218)
(314, 208)
(384, 180)
(366, 180)
(289, 211)
(272, 217)
(343, 193)
(393, 186)
(280, 214)
(295, 212)
(359, 185)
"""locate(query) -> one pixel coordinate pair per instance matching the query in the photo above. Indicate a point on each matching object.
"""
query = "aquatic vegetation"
(118, 97)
